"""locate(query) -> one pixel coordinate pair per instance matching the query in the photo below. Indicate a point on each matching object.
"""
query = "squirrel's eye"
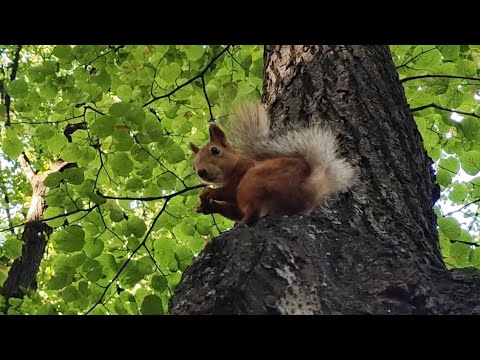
(215, 150)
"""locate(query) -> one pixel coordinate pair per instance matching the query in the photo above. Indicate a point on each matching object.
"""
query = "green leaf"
(474, 257)
(444, 177)
(116, 215)
(164, 250)
(44, 132)
(174, 154)
(450, 227)
(70, 239)
(204, 226)
(184, 257)
(71, 152)
(119, 109)
(122, 140)
(3, 277)
(70, 294)
(137, 226)
(74, 175)
(471, 128)
(93, 270)
(159, 283)
(12, 146)
(103, 80)
(93, 247)
(171, 72)
(62, 51)
(166, 181)
(49, 91)
(46, 309)
(467, 67)
(36, 74)
(450, 52)
(460, 252)
(194, 52)
(450, 164)
(57, 142)
(132, 274)
(134, 184)
(63, 264)
(109, 264)
(86, 187)
(133, 243)
(103, 127)
(55, 197)
(187, 229)
(153, 128)
(135, 115)
(121, 164)
(152, 305)
(53, 179)
(124, 92)
(12, 247)
(459, 193)
(471, 162)
(18, 88)
(52, 212)
(59, 281)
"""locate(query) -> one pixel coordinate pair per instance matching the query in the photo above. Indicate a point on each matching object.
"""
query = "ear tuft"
(194, 147)
(217, 134)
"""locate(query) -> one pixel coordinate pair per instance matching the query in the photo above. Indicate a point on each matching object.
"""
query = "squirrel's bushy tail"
(249, 131)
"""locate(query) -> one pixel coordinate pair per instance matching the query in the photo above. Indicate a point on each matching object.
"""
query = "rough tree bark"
(23, 272)
(373, 250)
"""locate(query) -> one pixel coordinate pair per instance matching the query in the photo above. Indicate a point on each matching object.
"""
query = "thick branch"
(26, 167)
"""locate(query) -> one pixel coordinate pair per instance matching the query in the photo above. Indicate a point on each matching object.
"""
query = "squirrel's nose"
(202, 173)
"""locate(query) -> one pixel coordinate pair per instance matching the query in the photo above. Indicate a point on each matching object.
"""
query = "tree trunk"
(23, 272)
(373, 250)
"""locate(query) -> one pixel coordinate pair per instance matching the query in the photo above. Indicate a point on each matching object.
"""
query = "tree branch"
(464, 242)
(7, 208)
(438, 76)
(26, 167)
(416, 56)
(56, 166)
(55, 217)
(151, 198)
(130, 257)
(204, 88)
(433, 105)
(463, 207)
(155, 98)
(13, 75)
(111, 49)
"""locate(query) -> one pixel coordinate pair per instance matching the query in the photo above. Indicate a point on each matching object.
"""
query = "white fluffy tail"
(249, 131)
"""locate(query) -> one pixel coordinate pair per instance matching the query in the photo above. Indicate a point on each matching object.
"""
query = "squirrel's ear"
(194, 147)
(217, 134)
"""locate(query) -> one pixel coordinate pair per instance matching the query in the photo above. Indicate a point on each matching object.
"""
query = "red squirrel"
(256, 173)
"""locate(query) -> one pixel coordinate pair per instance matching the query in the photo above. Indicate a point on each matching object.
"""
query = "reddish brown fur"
(275, 186)
(250, 188)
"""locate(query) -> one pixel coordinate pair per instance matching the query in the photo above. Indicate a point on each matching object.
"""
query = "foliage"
(442, 88)
(123, 215)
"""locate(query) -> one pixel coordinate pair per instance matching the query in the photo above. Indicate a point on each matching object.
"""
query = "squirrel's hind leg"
(250, 216)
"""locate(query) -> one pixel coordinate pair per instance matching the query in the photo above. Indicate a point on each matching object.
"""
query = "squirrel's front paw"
(206, 207)
(206, 194)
